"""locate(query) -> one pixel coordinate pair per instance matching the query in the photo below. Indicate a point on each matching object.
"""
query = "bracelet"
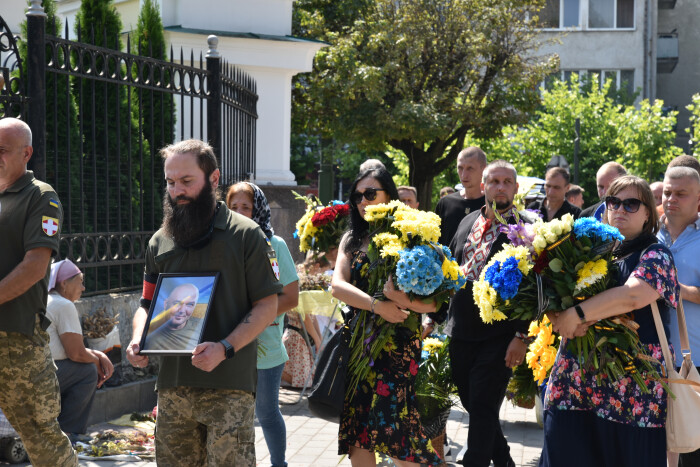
(372, 302)
(579, 312)
(527, 340)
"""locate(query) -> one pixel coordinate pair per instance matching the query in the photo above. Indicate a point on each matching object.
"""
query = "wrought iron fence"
(12, 75)
(106, 114)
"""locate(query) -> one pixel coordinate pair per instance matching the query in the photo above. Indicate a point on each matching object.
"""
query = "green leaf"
(556, 265)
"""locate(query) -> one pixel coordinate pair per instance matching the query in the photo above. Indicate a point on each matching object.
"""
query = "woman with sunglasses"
(615, 423)
(248, 200)
(382, 416)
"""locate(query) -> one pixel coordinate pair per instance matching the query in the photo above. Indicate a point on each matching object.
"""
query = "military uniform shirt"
(239, 250)
(30, 217)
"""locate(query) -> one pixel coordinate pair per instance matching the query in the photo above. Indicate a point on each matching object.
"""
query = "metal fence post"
(214, 102)
(36, 89)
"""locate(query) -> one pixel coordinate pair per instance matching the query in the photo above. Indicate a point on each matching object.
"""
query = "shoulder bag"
(328, 390)
(683, 414)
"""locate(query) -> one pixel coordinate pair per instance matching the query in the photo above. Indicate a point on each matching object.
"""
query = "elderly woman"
(377, 420)
(248, 200)
(80, 371)
(614, 422)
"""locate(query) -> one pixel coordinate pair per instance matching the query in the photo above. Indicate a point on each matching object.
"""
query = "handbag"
(683, 413)
(328, 390)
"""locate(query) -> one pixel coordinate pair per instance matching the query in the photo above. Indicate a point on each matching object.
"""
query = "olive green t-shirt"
(30, 217)
(243, 256)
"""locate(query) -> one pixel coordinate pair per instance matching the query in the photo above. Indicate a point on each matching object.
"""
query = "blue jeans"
(267, 409)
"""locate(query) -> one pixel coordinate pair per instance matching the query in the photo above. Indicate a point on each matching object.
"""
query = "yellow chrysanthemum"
(412, 223)
(450, 269)
(376, 212)
(432, 345)
(306, 230)
(486, 299)
(590, 273)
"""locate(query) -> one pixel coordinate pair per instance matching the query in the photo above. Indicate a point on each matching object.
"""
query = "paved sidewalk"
(313, 442)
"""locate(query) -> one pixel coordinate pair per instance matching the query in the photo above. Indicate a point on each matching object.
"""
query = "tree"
(157, 108)
(420, 75)
(640, 138)
(115, 152)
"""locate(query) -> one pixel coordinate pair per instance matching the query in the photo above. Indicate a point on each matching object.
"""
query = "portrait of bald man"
(181, 331)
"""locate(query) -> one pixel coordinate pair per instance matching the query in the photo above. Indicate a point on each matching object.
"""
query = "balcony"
(667, 4)
(666, 52)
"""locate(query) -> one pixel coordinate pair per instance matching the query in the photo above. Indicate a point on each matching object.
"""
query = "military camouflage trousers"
(205, 427)
(30, 397)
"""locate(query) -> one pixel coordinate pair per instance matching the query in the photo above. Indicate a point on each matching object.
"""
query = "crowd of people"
(208, 399)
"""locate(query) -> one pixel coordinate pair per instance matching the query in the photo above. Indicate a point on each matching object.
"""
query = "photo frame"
(178, 313)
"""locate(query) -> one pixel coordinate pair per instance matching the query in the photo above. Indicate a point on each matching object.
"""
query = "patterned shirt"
(479, 242)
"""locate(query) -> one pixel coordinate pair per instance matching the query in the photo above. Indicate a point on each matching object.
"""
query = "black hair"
(359, 228)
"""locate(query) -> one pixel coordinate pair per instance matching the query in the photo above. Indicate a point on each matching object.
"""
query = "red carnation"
(323, 217)
(342, 210)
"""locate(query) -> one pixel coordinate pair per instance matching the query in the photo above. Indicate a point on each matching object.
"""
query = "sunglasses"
(630, 205)
(370, 194)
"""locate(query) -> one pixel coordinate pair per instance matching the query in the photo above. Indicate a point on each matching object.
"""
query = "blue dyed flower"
(505, 277)
(419, 270)
(594, 229)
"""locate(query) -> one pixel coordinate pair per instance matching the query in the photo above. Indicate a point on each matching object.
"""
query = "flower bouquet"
(402, 246)
(506, 289)
(522, 387)
(572, 262)
(434, 386)
(576, 267)
(321, 227)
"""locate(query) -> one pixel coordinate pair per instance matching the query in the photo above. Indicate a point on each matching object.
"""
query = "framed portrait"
(178, 313)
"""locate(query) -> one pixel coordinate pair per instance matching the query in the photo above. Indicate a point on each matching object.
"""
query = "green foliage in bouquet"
(435, 390)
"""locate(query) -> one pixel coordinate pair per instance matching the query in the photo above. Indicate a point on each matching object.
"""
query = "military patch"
(49, 225)
(53, 203)
(275, 267)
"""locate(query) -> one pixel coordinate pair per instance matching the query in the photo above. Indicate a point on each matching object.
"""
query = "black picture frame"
(170, 329)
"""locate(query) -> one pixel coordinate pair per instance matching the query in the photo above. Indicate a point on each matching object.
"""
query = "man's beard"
(500, 205)
(187, 223)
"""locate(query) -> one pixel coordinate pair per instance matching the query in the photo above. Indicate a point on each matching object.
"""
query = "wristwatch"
(229, 351)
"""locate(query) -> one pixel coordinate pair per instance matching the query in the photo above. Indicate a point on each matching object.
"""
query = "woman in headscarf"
(80, 371)
(248, 200)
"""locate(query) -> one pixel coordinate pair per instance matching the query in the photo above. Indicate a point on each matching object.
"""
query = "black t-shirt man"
(452, 209)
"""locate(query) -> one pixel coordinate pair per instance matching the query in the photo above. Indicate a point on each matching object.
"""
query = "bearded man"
(482, 355)
(206, 401)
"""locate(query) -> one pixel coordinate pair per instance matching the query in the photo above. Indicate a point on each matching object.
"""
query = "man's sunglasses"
(370, 194)
(630, 205)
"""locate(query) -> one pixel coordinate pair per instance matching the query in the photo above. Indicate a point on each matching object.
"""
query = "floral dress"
(383, 415)
(570, 388)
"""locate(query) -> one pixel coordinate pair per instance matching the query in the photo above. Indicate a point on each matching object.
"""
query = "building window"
(610, 14)
(622, 80)
(558, 14)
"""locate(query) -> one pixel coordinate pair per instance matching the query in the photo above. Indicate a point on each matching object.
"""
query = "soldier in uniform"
(206, 404)
(30, 219)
